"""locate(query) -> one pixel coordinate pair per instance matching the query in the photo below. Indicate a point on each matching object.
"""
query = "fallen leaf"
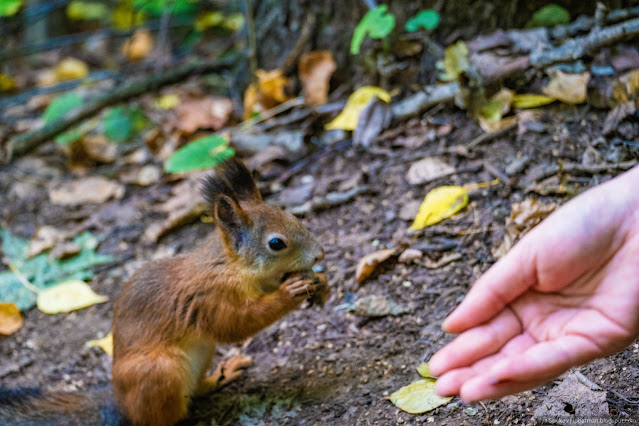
(410, 255)
(427, 19)
(168, 101)
(7, 83)
(203, 153)
(266, 94)
(144, 176)
(371, 262)
(439, 204)
(46, 237)
(208, 19)
(93, 189)
(106, 343)
(373, 119)
(490, 115)
(377, 23)
(138, 46)
(424, 370)
(87, 10)
(418, 397)
(98, 147)
(572, 391)
(428, 169)
(455, 61)
(357, 101)
(445, 260)
(71, 69)
(211, 112)
(523, 217)
(549, 16)
(315, 70)
(626, 88)
(10, 319)
(529, 100)
(60, 106)
(375, 306)
(567, 88)
(67, 296)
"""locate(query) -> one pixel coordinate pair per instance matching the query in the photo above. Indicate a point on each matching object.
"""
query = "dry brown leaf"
(10, 319)
(568, 88)
(626, 88)
(98, 147)
(93, 189)
(376, 306)
(523, 217)
(371, 262)
(46, 237)
(410, 255)
(144, 176)
(428, 169)
(138, 46)
(268, 93)
(315, 71)
(211, 112)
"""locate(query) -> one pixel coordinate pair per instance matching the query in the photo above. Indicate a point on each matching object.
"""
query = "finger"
(545, 360)
(500, 285)
(476, 343)
(451, 382)
(482, 388)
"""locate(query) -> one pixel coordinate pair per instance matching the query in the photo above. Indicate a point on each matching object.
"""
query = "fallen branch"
(21, 144)
(580, 168)
(329, 200)
(571, 50)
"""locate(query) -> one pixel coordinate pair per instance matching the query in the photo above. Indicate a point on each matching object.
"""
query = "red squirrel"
(251, 271)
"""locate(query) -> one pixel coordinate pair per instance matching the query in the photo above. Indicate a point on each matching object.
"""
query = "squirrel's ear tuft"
(235, 173)
(213, 186)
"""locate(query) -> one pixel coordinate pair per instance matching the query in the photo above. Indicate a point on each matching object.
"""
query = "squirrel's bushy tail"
(32, 407)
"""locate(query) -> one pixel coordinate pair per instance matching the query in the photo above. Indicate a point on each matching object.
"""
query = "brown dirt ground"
(325, 366)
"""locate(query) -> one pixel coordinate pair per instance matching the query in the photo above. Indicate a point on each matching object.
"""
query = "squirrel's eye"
(276, 244)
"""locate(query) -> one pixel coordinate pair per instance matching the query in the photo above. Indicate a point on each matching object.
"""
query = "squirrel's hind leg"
(225, 372)
(152, 388)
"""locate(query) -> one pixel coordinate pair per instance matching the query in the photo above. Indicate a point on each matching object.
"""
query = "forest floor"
(325, 365)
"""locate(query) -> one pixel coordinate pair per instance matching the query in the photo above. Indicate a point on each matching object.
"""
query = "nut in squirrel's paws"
(309, 286)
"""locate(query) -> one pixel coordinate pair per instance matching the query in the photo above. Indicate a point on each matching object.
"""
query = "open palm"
(566, 294)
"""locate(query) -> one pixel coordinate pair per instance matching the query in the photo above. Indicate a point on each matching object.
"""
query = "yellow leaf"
(168, 101)
(497, 106)
(424, 370)
(568, 88)
(106, 343)
(6, 83)
(70, 69)
(530, 100)
(207, 20)
(268, 93)
(10, 319)
(138, 46)
(357, 101)
(418, 397)
(455, 61)
(124, 17)
(439, 204)
(68, 296)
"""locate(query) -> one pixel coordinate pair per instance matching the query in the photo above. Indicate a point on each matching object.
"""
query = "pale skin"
(566, 294)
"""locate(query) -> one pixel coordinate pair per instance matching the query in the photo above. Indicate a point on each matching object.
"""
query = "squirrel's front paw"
(297, 288)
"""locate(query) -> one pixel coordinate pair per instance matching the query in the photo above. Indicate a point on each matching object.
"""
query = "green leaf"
(376, 24)
(427, 19)
(157, 7)
(70, 136)
(9, 7)
(43, 271)
(203, 153)
(61, 106)
(87, 10)
(549, 16)
(121, 123)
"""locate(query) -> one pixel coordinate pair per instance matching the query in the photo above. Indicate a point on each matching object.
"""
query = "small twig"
(302, 164)
(495, 172)
(581, 168)
(485, 137)
(23, 280)
(263, 116)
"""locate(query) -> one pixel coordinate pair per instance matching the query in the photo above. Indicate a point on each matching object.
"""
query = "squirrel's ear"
(232, 220)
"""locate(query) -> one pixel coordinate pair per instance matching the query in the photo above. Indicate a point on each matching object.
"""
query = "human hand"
(566, 294)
